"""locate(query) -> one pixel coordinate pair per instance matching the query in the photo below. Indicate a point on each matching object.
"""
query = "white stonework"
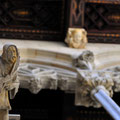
(53, 65)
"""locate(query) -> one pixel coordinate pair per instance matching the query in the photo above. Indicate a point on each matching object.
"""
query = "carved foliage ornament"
(86, 84)
(115, 71)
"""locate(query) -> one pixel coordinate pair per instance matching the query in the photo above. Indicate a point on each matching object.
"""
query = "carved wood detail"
(76, 13)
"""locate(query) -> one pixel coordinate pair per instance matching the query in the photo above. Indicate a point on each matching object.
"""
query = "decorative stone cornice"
(55, 65)
(36, 74)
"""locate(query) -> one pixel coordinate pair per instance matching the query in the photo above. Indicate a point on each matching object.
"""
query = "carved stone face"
(77, 38)
(12, 54)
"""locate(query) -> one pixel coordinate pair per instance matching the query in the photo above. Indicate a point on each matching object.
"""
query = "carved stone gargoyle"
(9, 62)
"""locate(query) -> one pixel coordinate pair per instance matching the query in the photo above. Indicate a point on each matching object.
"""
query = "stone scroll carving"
(9, 61)
(76, 38)
(87, 84)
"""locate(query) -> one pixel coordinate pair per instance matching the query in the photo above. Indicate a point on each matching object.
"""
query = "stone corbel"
(84, 61)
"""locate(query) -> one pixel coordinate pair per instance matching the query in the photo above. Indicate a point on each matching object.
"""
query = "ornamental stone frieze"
(36, 77)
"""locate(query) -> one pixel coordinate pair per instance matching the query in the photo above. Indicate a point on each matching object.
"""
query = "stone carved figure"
(9, 61)
(76, 38)
(85, 61)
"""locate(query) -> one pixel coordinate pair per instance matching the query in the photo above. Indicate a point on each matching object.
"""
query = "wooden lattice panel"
(102, 20)
(32, 19)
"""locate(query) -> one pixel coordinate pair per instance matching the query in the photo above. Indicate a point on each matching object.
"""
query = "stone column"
(108, 104)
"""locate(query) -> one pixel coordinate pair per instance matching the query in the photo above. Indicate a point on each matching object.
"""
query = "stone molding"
(34, 75)
(38, 76)
(61, 63)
